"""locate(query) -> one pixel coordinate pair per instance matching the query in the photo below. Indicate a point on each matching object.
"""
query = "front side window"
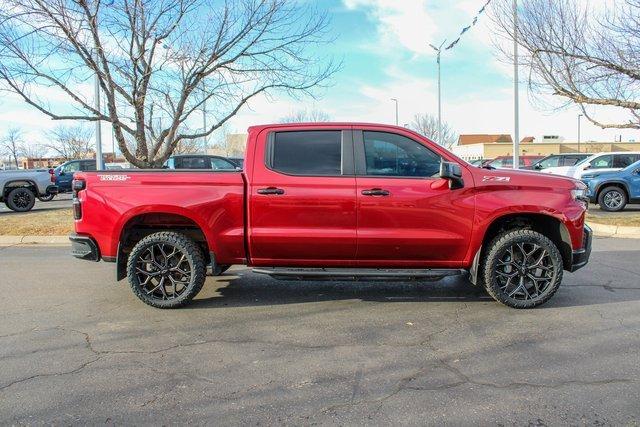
(307, 153)
(550, 162)
(602, 162)
(71, 167)
(388, 154)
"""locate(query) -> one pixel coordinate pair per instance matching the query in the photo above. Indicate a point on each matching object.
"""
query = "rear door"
(302, 201)
(407, 215)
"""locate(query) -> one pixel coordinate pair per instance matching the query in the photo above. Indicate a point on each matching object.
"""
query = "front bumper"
(84, 247)
(580, 257)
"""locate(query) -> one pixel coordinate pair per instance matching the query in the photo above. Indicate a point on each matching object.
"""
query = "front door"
(407, 215)
(302, 201)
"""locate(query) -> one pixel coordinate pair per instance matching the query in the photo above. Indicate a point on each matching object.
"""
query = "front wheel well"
(138, 227)
(546, 225)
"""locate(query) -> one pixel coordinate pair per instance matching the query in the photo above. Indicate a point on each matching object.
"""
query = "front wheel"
(522, 268)
(612, 199)
(166, 270)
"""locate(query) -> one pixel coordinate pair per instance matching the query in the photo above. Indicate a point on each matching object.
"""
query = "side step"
(293, 273)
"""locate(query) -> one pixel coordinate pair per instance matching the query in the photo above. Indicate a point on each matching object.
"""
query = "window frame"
(346, 155)
(361, 159)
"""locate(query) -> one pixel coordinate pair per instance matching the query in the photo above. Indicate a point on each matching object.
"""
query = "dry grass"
(54, 222)
(624, 219)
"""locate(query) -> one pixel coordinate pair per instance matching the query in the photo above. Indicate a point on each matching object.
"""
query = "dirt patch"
(55, 222)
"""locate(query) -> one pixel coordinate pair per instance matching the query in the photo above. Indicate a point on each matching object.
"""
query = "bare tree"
(158, 59)
(33, 150)
(427, 125)
(302, 116)
(71, 142)
(11, 144)
(582, 55)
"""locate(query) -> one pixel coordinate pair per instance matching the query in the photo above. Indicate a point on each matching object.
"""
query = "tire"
(166, 270)
(20, 199)
(612, 199)
(47, 198)
(522, 269)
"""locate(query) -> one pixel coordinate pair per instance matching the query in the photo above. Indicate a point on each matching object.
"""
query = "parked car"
(199, 161)
(601, 162)
(614, 190)
(555, 162)
(64, 173)
(480, 162)
(506, 162)
(238, 161)
(338, 201)
(19, 189)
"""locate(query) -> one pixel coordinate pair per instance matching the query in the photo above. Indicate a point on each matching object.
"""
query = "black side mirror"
(453, 173)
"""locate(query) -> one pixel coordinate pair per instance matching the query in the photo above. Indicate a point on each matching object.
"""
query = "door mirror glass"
(453, 173)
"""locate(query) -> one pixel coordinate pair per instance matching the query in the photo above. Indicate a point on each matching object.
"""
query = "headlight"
(579, 194)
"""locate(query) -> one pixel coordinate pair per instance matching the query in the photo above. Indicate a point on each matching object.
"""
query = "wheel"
(220, 269)
(612, 199)
(522, 269)
(20, 199)
(47, 198)
(166, 270)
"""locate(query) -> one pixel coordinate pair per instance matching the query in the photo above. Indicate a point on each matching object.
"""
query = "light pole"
(439, 51)
(516, 103)
(99, 159)
(579, 116)
(204, 115)
(396, 101)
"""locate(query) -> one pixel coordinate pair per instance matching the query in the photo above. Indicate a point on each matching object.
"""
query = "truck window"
(389, 154)
(307, 153)
(71, 167)
(221, 164)
(192, 163)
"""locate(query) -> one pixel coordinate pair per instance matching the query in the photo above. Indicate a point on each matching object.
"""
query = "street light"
(579, 116)
(516, 103)
(396, 101)
(439, 51)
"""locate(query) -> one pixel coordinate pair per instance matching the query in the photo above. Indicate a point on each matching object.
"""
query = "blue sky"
(385, 53)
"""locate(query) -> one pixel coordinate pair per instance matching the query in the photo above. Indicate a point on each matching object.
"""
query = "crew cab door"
(407, 215)
(302, 199)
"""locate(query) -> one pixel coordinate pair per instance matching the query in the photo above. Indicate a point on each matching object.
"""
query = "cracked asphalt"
(76, 347)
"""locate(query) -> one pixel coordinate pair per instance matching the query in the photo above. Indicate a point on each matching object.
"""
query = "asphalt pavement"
(76, 347)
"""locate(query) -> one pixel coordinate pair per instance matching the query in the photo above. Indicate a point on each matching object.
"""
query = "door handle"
(271, 190)
(375, 192)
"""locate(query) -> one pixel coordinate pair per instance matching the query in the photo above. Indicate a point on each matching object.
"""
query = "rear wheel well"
(612, 184)
(18, 184)
(143, 225)
(546, 225)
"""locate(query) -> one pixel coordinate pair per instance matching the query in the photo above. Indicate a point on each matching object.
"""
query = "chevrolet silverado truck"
(335, 201)
(19, 189)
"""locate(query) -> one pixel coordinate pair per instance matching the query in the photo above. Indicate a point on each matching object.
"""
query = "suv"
(613, 190)
(603, 162)
(506, 162)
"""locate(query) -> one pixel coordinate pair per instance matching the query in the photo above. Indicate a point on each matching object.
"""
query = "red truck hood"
(522, 178)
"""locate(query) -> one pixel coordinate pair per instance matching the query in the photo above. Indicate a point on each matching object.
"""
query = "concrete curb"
(600, 230)
(620, 231)
(35, 240)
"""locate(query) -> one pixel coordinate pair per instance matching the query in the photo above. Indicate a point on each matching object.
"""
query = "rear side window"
(192, 163)
(389, 154)
(624, 160)
(87, 166)
(307, 153)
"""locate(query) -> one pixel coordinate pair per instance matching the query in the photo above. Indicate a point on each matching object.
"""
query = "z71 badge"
(496, 178)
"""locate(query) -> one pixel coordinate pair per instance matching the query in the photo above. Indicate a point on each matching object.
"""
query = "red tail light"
(52, 176)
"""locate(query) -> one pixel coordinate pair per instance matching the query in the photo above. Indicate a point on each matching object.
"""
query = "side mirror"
(587, 166)
(537, 166)
(453, 173)
(61, 172)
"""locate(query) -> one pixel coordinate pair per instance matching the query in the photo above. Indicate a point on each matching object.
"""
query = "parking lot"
(78, 347)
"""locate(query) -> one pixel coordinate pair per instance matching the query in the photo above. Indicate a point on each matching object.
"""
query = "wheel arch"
(620, 184)
(142, 224)
(547, 225)
(17, 183)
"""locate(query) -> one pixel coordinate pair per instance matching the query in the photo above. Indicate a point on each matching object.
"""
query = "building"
(480, 138)
(528, 146)
(40, 162)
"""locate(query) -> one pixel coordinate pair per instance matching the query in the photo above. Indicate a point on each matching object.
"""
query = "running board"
(292, 273)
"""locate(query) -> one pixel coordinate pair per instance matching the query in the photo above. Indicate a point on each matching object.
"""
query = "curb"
(35, 240)
(620, 231)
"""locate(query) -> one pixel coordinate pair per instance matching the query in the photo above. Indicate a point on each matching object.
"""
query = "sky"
(384, 48)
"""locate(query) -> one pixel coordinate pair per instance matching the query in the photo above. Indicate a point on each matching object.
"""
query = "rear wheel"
(166, 270)
(522, 269)
(47, 198)
(612, 199)
(20, 199)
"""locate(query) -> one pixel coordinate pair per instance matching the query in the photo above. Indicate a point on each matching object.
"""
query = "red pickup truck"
(334, 201)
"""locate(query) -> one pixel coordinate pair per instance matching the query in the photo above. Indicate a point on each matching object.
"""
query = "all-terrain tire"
(612, 199)
(493, 268)
(192, 257)
(20, 199)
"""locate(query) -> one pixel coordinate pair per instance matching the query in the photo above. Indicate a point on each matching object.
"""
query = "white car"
(601, 162)
(559, 164)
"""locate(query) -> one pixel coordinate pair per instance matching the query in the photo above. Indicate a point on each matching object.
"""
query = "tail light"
(52, 176)
(77, 185)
